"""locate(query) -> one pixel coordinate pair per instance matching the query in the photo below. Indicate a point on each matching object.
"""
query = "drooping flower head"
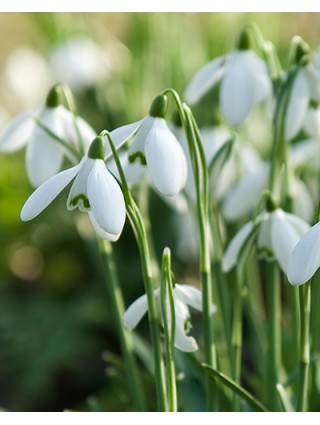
(157, 148)
(44, 154)
(94, 190)
(183, 295)
(244, 81)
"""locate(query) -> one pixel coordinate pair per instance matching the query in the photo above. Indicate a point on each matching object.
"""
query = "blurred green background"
(56, 330)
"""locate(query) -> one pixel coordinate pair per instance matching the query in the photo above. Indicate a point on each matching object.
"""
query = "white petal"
(306, 153)
(237, 93)
(305, 258)
(284, 236)
(100, 232)
(263, 86)
(243, 197)
(122, 134)
(204, 79)
(312, 122)
(17, 132)
(78, 195)
(297, 106)
(47, 192)
(165, 159)
(133, 172)
(135, 312)
(106, 199)
(230, 257)
(44, 155)
(303, 203)
(313, 78)
(181, 340)
(189, 295)
(142, 134)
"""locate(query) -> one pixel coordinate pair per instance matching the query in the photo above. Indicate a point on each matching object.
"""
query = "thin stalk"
(274, 331)
(237, 334)
(305, 308)
(168, 314)
(126, 341)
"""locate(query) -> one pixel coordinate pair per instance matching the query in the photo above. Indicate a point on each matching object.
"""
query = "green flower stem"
(140, 233)
(305, 308)
(200, 172)
(126, 341)
(58, 139)
(237, 333)
(274, 333)
(168, 314)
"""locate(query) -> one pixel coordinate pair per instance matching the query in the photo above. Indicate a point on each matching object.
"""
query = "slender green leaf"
(236, 388)
(284, 399)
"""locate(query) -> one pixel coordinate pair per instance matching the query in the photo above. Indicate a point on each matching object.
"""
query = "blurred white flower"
(26, 76)
(156, 147)
(244, 83)
(94, 190)
(183, 295)
(44, 155)
(277, 233)
(305, 258)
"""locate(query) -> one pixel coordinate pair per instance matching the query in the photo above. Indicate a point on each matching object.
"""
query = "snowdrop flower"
(305, 258)
(277, 232)
(183, 295)
(44, 155)
(244, 82)
(157, 148)
(94, 190)
(306, 88)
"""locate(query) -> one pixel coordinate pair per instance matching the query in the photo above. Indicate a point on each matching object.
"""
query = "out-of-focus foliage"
(55, 321)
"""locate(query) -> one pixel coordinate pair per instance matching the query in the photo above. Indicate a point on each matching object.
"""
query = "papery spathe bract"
(94, 190)
(183, 295)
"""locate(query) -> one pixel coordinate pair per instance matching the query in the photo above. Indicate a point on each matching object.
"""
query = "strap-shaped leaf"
(284, 399)
(236, 388)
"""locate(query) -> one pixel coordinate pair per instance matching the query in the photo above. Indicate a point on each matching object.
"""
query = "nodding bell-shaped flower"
(277, 233)
(305, 258)
(157, 148)
(94, 190)
(183, 295)
(244, 81)
(44, 154)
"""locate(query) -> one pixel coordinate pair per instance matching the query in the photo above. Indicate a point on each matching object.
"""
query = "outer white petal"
(297, 106)
(165, 159)
(78, 195)
(298, 224)
(244, 195)
(312, 122)
(100, 232)
(133, 172)
(137, 310)
(313, 78)
(140, 139)
(181, 340)
(188, 295)
(44, 155)
(306, 153)
(106, 199)
(263, 86)
(284, 235)
(305, 258)
(237, 93)
(303, 203)
(47, 192)
(204, 79)
(122, 134)
(17, 132)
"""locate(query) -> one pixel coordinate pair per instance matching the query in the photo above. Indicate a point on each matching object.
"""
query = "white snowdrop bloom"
(305, 258)
(94, 190)
(183, 295)
(306, 87)
(44, 155)
(79, 62)
(312, 122)
(157, 148)
(277, 233)
(26, 76)
(244, 83)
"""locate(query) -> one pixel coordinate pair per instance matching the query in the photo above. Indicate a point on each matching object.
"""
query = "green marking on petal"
(138, 156)
(82, 198)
